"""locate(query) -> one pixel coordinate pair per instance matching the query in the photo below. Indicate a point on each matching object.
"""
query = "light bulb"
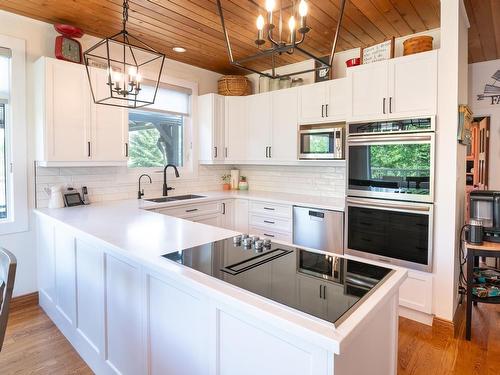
(303, 8)
(117, 77)
(291, 23)
(138, 77)
(132, 71)
(260, 22)
(270, 4)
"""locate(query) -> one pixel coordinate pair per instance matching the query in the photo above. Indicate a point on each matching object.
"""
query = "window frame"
(16, 141)
(189, 169)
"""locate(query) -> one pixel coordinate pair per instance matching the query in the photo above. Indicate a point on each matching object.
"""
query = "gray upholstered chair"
(8, 264)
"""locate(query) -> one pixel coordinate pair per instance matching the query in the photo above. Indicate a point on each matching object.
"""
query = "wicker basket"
(233, 85)
(417, 44)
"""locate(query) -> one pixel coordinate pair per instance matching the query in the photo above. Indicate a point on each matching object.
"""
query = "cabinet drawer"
(271, 209)
(271, 234)
(191, 210)
(271, 223)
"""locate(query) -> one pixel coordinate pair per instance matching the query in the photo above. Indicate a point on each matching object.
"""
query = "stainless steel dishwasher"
(318, 229)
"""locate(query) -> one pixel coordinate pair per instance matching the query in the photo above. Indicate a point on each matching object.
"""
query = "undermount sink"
(175, 198)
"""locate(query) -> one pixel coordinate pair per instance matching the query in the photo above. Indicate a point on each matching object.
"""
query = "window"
(13, 166)
(158, 134)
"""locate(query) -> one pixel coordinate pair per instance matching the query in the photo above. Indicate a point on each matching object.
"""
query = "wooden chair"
(8, 264)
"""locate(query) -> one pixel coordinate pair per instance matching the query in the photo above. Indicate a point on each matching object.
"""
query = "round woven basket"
(417, 44)
(233, 85)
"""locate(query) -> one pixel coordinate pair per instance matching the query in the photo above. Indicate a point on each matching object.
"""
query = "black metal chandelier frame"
(128, 42)
(278, 48)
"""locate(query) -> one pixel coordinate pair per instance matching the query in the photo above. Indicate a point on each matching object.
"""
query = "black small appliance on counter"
(485, 206)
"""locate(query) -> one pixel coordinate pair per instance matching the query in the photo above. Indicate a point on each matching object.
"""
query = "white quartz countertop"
(325, 203)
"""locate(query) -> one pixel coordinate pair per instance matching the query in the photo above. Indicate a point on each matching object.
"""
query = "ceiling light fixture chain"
(276, 41)
(125, 14)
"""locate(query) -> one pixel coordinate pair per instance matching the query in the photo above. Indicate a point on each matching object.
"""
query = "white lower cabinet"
(176, 329)
(65, 275)
(124, 300)
(416, 291)
(216, 213)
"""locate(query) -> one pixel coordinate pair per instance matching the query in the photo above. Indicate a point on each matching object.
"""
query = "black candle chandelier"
(280, 41)
(125, 58)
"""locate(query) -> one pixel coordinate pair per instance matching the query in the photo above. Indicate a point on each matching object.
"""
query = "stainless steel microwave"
(321, 142)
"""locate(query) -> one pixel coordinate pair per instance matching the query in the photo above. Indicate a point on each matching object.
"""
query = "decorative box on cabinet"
(70, 128)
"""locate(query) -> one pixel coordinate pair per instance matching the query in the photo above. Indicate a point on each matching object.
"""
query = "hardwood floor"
(33, 345)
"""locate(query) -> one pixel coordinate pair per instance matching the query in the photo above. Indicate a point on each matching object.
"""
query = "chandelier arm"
(270, 37)
(315, 58)
(224, 30)
(337, 31)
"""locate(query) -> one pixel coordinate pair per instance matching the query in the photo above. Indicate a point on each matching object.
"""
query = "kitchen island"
(126, 308)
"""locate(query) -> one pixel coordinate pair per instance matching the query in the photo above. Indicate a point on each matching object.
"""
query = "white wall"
(40, 38)
(479, 75)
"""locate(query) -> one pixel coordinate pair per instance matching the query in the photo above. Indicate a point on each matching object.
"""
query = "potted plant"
(226, 181)
(243, 185)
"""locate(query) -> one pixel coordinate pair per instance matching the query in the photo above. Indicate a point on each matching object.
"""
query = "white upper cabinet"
(312, 100)
(413, 85)
(211, 127)
(323, 102)
(109, 125)
(259, 116)
(401, 87)
(368, 96)
(235, 127)
(62, 111)
(284, 125)
(72, 129)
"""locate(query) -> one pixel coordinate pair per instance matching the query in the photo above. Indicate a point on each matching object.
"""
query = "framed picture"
(378, 52)
(323, 74)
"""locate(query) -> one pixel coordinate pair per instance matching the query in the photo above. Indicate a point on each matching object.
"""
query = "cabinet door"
(228, 214)
(67, 112)
(368, 94)
(65, 272)
(235, 128)
(109, 125)
(241, 215)
(123, 317)
(338, 99)
(215, 220)
(312, 100)
(211, 127)
(259, 126)
(284, 125)
(413, 85)
(309, 295)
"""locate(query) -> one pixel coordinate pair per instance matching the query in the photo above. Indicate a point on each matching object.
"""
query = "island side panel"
(372, 347)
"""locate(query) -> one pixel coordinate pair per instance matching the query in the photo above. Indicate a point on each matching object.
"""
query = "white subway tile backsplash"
(114, 183)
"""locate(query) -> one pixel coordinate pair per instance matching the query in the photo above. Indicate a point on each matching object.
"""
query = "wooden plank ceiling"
(484, 32)
(195, 24)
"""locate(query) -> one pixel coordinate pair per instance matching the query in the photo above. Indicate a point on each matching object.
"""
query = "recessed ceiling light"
(179, 49)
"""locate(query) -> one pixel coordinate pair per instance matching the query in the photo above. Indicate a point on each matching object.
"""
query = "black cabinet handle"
(269, 235)
(324, 291)
(192, 210)
(215, 152)
(88, 149)
(126, 149)
(270, 152)
(267, 151)
(226, 152)
(269, 208)
(322, 110)
(383, 106)
(390, 104)
(321, 291)
(223, 208)
(326, 110)
(269, 222)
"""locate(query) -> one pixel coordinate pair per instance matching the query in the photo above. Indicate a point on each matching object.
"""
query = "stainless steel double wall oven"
(390, 189)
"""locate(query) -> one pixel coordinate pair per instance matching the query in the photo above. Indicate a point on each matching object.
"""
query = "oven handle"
(389, 138)
(397, 206)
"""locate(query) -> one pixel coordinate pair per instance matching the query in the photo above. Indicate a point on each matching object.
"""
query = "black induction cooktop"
(318, 283)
